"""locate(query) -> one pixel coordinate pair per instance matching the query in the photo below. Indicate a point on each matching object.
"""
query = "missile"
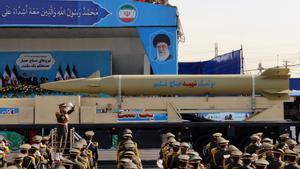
(272, 83)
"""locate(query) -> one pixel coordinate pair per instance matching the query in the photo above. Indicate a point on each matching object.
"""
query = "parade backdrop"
(24, 71)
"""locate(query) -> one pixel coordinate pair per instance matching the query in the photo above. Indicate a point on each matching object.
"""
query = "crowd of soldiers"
(40, 155)
(261, 153)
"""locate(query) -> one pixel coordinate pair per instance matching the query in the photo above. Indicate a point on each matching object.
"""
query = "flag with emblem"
(127, 13)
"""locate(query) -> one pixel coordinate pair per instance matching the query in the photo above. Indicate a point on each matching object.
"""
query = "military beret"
(232, 148)
(127, 135)
(183, 158)
(246, 156)
(19, 156)
(129, 153)
(236, 153)
(254, 137)
(89, 133)
(67, 162)
(169, 135)
(285, 135)
(278, 151)
(127, 131)
(289, 152)
(83, 142)
(74, 151)
(25, 146)
(171, 140)
(176, 144)
(261, 162)
(161, 38)
(291, 142)
(195, 159)
(78, 145)
(267, 146)
(184, 144)
(37, 138)
(217, 135)
(267, 140)
(222, 140)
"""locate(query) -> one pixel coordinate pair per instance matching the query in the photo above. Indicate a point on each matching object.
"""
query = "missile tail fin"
(274, 94)
(95, 74)
(276, 73)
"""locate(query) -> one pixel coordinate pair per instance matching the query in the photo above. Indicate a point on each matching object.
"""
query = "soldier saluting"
(62, 117)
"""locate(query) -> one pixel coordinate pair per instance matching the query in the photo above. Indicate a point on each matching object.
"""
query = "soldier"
(235, 160)
(85, 154)
(283, 138)
(24, 149)
(92, 147)
(277, 163)
(195, 162)
(172, 160)
(254, 146)
(131, 155)
(62, 117)
(261, 164)
(267, 140)
(74, 153)
(291, 144)
(291, 162)
(165, 144)
(37, 140)
(184, 147)
(220, 155)
(18, 159)
(211, 145)
(166, 150)
(30, 161)
(246, 159)
(183, 161)
(47, 153)
(266, 152)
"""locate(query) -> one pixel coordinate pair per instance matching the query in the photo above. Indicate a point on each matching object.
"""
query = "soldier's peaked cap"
(89, 133)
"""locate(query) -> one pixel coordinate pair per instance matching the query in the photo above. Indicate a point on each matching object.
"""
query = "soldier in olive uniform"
(172, 157)
(235, 161)
(246, 159)
(291, 162)
(220, 155)
(277, 163)
(74, 153)
(283, 138)
(18, 159)
(261, 164)
(92, 147)
(131, 155)
(195, 162)
(30, 161)
(266, 152)
(254, 146)
(183, 161)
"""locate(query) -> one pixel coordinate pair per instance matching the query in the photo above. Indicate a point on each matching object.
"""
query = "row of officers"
(40, 155)
(261, 153)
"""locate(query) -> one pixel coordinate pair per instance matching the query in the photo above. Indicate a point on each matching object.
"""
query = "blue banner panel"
(22, 72)
(160, 44)
(224, 116)
(84, 13)
(295, 84)
(9, 111)
(229, 63)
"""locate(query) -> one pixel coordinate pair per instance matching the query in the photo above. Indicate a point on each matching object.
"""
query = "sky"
(268, 30)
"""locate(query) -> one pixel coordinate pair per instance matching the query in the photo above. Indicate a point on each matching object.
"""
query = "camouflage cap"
(127, 135)
(278, 151)
(246, 156)
(222, 140)
(195, 159)
(254, 137)
(267, 146)
(129, 153)
(19, 156)
(125, 160)
(192, 152)
(232, 148)
(78, 145)
(261, 162)
(291, 142)
(297, 149)
(129, 146)
(83, 142)
(267, 140)
(259, 134)
(171, 140)
(67, 162)
(35, 146)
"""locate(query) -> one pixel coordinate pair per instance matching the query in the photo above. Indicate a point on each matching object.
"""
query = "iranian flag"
(127, 13)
